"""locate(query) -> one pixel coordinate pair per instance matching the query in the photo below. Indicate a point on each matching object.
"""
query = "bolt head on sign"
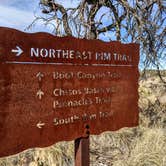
(52, 88)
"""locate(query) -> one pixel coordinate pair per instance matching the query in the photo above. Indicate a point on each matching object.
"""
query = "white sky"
(19, 14)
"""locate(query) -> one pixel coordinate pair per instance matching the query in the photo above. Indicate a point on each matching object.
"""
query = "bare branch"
(54, 7)
(130, 20)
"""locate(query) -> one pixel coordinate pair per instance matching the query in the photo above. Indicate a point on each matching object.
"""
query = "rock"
(162, 99)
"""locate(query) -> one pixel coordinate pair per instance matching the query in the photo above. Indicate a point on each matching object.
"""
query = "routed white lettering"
(51, 53)
(44, 53)
(34, 52)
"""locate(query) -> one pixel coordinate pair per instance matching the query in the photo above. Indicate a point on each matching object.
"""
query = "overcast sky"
(19, 14)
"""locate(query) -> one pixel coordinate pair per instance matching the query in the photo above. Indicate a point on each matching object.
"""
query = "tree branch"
(54, 7)
(92, 31)
(105, 29)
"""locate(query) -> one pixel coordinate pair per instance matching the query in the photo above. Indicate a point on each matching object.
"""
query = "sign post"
(59, 89)
(81, 147)
(82, 157)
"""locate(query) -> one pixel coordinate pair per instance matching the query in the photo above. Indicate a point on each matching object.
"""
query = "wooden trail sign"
(54, 89)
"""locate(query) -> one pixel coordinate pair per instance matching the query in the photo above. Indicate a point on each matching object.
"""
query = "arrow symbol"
(18, 51)
(39, 76)
(39, 94)
(40, 125)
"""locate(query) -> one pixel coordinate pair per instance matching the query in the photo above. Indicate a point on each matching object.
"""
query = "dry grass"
(144, 145)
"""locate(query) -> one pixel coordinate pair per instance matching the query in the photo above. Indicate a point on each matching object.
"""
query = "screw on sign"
(63, 87)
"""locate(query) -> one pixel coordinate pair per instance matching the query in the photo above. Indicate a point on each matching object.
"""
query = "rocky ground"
(144, 145)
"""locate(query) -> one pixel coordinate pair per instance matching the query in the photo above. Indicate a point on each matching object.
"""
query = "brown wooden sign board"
(52, 89)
